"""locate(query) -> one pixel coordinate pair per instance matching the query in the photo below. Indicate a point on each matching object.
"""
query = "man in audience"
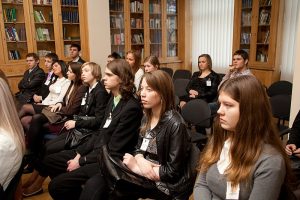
(293, 147)
(32, 80)
(74, 53)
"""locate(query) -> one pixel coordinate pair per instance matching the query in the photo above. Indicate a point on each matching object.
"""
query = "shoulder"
(132, 103)
(139, 72)
(196, 74)
(100, 88)
(172, 117)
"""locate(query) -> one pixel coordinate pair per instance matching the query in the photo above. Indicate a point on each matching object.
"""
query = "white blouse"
(57, 91)
(10, 158)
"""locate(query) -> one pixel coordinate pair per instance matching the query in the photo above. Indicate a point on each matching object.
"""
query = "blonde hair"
(95, 68)
(10, 121)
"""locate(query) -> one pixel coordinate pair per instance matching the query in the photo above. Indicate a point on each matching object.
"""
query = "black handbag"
(118, 177)
(76, 137)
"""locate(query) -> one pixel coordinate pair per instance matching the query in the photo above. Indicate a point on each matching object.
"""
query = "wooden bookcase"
(149, 26)
(40, 26)
(256, 25)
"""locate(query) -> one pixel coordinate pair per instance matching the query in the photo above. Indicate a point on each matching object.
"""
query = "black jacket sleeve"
(294, 137)
(32, 81)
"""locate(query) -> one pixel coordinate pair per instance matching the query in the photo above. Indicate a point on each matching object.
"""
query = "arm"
(294, 137)
(178, 151)
(268, 178)
(201, 189)
(74, 105)
(36, 80)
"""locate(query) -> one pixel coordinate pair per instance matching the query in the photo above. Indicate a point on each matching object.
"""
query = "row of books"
(116, 5)
(136, 23)
(42, 34)
(137, 38)
(172, 36)
(136, 6)
(245, 38)
(116, 21)
(155, 50)
(14, 55)
(69, 2)
(247, 4)
(12, 34)
(246, 18)
(265, 2)
(42, 2)
(10, 15)
(172, 6)
(12, 1)
(118, 39)
(264, 17)
(70, 16)
(43, 52)
(155, 36)
(39, 16)
(172, 22)
(154, 8)
(155, 23)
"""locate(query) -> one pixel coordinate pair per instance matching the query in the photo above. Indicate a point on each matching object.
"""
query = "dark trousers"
(68, 185)
(96, 188)
(51, 147)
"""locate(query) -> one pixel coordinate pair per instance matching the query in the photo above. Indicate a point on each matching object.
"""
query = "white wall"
(99, 31)
(295, 107)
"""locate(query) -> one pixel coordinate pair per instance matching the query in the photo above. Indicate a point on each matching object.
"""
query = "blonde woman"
(12, 145)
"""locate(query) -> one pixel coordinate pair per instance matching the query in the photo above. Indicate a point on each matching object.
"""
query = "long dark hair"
(76, 69)
(122, 69)
(63, 67)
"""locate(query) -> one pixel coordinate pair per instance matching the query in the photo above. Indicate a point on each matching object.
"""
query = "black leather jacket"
(173, 147)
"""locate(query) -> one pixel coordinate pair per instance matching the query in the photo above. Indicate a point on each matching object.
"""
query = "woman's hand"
(56, 107)
(131, 163)
(69, 124)
(193, 93)
(290, 148)
(74, 163)
(37, 99)
(146, 168)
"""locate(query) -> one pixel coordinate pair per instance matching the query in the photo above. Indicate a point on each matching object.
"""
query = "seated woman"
(70, 169)
(244, 158)
(57, 92)
(69, 107)
(162, 152)
(133, 57)
(151, 63)
(204, 84)
(93, 106)
(12, 145)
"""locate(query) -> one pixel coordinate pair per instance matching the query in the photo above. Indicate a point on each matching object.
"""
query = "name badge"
(145, 144)
(47, 82)
(108, 121)
(208, 83)
(232, 193)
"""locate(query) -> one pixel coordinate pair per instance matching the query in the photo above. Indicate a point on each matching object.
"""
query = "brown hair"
(153, 60)
(34, 55)
(96, 69)
(122, 69)
(76, 69)
(208, 59)
(137, 58)
(254, 129)
(243, 54)
(161, 83)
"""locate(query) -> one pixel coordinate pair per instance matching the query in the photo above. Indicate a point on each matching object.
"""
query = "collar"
(76, 59)
(91, 88)
(30, 70)
(117, 100)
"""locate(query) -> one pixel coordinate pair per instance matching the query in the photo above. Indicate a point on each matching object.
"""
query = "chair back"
(182, 73)
(168, 70)
(180, 87)
(280, 87)
(281, 105)
(197, 112)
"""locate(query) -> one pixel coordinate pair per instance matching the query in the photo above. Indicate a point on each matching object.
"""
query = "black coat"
(30, 84)
(294, 137)
(173, 149)
(95, 105)
(121, 135)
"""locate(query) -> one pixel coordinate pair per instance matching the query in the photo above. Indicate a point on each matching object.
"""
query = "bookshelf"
(255, 31)
(149, 26)
(40, 26)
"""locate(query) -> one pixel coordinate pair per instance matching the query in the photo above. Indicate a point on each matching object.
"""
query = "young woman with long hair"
(244, 158)
(12, 145)
(203, 84)
(133, 57)
(161, 154)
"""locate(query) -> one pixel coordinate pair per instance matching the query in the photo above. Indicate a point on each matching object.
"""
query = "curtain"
(212, 31)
